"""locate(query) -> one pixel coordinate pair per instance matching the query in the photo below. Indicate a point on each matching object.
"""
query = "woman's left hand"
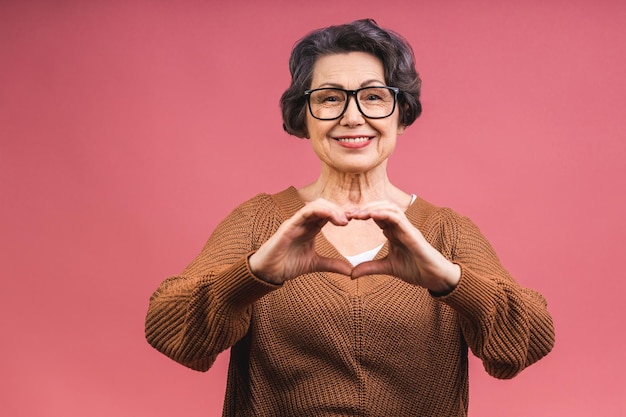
(410, 258)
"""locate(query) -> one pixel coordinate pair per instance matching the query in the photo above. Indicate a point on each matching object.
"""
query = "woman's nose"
(352, 115)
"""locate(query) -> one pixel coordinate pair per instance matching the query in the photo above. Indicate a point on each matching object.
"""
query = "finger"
(393, 224)
(320, 214)
(379, 266)
(324, 264)
(381, 211)
(307, 222)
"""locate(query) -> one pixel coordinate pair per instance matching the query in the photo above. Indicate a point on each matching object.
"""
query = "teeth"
(353, 140)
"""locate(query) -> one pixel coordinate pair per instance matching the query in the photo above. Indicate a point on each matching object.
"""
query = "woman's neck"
(353, 189)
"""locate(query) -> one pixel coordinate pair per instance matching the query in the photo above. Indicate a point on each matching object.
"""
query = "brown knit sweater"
(325, 345)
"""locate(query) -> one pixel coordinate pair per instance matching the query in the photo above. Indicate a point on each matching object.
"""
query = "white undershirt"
(368, 255)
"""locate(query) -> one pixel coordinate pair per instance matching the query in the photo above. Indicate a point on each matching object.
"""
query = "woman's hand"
(410, 258)
(290, 252)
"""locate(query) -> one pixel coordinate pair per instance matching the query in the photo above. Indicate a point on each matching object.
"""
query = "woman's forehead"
(354, 68)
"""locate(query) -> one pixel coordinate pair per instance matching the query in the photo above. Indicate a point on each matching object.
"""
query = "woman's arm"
(507, 326)
(193, 317)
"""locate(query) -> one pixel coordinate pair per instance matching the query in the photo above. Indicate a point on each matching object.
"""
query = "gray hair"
(363, 35)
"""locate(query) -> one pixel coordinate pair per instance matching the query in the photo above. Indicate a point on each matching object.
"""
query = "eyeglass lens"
(331, 103)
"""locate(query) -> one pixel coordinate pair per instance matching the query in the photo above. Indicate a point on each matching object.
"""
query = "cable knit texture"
(325, 345)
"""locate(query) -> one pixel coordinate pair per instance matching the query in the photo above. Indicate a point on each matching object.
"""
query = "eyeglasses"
(332, 103)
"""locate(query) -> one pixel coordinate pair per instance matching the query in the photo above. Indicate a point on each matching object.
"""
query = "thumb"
(324, 264)
(379, 266)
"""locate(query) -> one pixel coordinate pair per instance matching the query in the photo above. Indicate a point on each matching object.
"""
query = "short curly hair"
(363, 35)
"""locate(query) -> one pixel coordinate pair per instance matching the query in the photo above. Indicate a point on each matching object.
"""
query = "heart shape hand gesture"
(290, 252)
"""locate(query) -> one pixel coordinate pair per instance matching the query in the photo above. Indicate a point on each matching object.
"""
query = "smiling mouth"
(353, 140)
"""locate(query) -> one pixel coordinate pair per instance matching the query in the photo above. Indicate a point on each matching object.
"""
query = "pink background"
(129, 129)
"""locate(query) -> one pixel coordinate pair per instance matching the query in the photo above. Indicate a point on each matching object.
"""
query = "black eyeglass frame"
(350, 93)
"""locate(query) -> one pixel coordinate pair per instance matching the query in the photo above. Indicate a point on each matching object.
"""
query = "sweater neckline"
(289, 202)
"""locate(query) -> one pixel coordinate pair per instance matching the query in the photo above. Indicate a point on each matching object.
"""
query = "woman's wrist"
(448, 282)
(253, 266)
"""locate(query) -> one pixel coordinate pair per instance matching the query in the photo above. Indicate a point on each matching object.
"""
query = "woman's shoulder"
(429, 216)
(267, 203)
(264, 197)
(424, 210)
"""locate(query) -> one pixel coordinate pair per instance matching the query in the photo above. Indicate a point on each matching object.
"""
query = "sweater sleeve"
(505, 325)
(195, 316)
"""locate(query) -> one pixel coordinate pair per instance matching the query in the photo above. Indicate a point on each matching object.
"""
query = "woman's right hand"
(290, 252)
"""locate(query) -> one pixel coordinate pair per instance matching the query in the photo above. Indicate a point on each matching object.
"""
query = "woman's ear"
(402, 127)
(304, 135)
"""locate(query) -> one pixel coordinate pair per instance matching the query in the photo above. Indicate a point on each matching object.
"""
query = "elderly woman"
(348, 296)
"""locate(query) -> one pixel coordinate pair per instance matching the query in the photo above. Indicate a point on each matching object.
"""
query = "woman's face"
(352, 143)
